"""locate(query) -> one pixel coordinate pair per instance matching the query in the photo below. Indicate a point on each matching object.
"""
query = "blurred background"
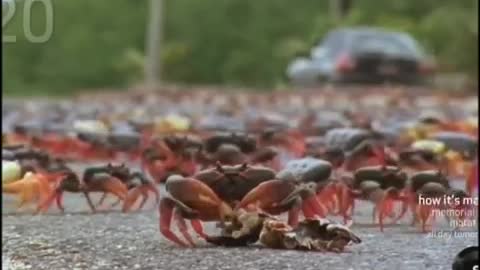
(247, 43)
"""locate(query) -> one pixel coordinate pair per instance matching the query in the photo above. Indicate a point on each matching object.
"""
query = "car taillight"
(426, 67)
(345, 63)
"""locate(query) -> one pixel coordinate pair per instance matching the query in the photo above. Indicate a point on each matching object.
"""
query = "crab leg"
(89, 201)
(166, 213)
(413, 208)
(59, 201)
(385, 208)
(116, 187)
(115, 203)
(424, 212)
(44, 192)
(347, 202)
(336, 194)
(21, 202)
(131, 199)
(311, 207)
(152, 188)
(406, 201)
(327, 197)
(198, 228)
(144, 189)
(102, 199)
(144, 197)
(182, 226)
(45, 205)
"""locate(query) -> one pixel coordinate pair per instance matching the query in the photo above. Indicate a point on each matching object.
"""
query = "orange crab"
(32, 187)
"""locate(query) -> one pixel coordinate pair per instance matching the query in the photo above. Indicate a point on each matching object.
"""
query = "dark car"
(364, 55)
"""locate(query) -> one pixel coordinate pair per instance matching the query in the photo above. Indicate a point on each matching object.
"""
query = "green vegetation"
(99, 44)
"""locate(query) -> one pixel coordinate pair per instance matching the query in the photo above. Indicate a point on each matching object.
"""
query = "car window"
(385, 43)
(334, 43)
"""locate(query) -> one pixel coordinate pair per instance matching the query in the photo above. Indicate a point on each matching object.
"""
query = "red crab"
(172, 155)
(207, 196)
(358, 147)
(234, 149)
(211, 194)
(92, 146)
(95, 179)
(382, 185)
(434, 185)
(136, 183)
(291, 140)
(54, 144)
(294, 190)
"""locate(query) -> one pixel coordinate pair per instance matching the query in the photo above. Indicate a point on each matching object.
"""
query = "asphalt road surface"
(113, 240)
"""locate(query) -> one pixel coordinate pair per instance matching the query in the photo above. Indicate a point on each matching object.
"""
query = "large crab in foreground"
(207, 196)
(212, 194)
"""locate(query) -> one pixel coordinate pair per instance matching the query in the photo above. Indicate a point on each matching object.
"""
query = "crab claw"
(270, 197)
(191, 199)
(278, 196)
(267, 196)
(138, 191)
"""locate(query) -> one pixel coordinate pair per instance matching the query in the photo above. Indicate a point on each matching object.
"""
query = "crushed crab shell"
(311, 234)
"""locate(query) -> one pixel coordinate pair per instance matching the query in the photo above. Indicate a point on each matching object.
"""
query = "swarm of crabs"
(244, 160)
